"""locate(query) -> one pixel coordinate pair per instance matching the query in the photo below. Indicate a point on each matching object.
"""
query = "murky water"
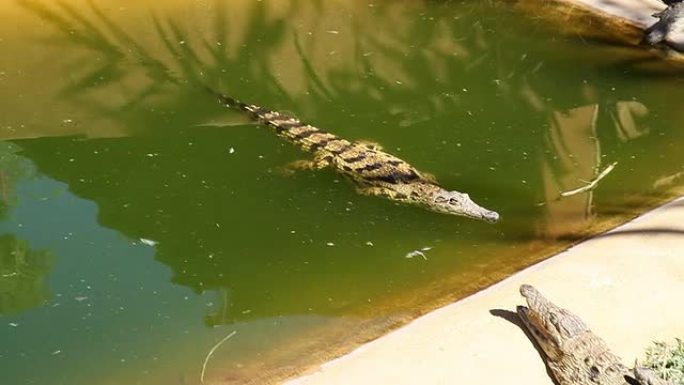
(141, 223)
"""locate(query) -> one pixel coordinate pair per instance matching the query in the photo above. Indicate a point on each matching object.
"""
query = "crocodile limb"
(374, 171)
(669, 20)
(572, 352)
(646, 376)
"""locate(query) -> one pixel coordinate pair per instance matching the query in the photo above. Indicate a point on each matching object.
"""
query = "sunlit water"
(142, 223)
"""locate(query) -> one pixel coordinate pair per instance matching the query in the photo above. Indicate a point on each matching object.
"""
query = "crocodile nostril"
(594, 373)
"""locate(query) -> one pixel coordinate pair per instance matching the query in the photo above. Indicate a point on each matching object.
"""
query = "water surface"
(141, 222)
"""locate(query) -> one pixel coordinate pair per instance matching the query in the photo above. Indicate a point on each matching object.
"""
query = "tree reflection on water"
(23, 272)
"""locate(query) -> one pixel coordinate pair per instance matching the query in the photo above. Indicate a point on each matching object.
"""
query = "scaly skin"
(374, 172)
(669, 20)
(573, 353)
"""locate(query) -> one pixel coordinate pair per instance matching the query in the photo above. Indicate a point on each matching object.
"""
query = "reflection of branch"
(87, 35)
(211, 352)
(316, 84)
(592, 184)
(589, 187)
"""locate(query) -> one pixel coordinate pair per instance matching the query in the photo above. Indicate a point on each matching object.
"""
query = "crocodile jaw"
(457, 203)
(471, 209)
(551, 326)
(539, 333)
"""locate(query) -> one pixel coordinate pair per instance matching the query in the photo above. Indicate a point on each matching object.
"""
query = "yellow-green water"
(141, 222)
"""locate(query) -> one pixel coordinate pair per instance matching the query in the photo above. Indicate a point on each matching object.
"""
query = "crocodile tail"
(223, 98)
(226, 100)
(258, 113)
(305, 136)
(232, 102)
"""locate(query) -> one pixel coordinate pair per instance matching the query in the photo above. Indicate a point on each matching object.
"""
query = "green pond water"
(141, 222)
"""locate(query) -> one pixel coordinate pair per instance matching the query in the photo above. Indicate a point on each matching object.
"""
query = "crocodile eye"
(458, 200)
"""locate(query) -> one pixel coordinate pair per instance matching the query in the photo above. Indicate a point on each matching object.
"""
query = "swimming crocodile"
(670, 19)
(573, 354)
(373, 171)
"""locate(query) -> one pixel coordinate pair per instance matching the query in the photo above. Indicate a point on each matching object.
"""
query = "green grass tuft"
(667, 360)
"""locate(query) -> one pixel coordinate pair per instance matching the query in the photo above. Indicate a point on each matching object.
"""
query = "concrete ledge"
(637, 11)
(627, 284)
(623, 20)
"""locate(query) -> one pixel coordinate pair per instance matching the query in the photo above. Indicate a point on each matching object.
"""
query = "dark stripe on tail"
(286, 124)
(340, 150)
(281, 127)
(394, 177)
(369, 167)
(256, 111)
(318, 145)
(356, 158)
(305, 134)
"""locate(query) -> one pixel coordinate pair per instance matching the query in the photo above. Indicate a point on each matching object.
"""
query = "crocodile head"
(458, 203)
(670, 19)
(550, 325)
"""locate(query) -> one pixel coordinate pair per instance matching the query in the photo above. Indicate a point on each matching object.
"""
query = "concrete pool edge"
(621, 22)
(614, 281)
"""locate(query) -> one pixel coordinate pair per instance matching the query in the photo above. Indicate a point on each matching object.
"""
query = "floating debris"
(592, 184)
(416, 253)
(419, 253)
(148, 242)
